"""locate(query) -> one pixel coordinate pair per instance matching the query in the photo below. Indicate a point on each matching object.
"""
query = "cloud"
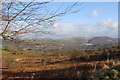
(67, 30)
(94, 13)
(105, 22)
(108, 24)
(114, 25)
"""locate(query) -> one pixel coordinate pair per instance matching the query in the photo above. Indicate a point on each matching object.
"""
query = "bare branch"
(33, 17)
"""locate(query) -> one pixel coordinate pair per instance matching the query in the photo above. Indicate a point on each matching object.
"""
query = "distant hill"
(102, 40)
(49, 44)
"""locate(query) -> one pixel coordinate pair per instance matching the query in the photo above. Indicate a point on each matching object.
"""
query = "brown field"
(30, 66)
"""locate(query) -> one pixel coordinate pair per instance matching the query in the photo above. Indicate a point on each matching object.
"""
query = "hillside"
(66, 62)
(102, 40)
(49, 44)
(84, 66)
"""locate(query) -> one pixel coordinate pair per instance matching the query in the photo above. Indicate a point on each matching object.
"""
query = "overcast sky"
(94, 19)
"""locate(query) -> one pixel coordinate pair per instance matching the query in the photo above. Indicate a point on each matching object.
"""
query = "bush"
(85, 58)
(76, 53)
(8, 62)
(111, 74)
(108, 74)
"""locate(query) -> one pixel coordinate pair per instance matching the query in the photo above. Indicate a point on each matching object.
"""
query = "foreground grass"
(8, 51)
(77, 64)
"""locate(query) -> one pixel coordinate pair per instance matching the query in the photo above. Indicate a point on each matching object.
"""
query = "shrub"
(75, 53)
(85, 58)
(8, 62)
(108, 74)
(112, 74)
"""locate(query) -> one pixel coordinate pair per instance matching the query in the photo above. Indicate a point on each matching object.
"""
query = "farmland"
(60, 64)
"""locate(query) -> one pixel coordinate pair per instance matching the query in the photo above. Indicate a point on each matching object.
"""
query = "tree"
(19, 18)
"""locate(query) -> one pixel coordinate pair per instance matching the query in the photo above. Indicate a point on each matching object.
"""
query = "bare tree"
(19, 18)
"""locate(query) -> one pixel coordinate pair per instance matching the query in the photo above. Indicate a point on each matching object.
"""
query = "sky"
(93, 20)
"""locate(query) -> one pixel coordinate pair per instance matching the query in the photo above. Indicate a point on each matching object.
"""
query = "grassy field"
(29, 64)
